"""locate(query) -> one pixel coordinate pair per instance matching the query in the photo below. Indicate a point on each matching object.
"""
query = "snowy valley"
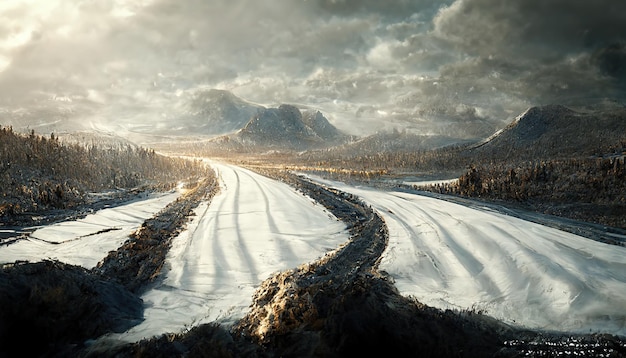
(286, 236)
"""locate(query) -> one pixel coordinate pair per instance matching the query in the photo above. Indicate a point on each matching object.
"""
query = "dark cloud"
(549, 28)
(611, 60)
(387, 9)
(399, 62)
(547, 51)
(421, 53)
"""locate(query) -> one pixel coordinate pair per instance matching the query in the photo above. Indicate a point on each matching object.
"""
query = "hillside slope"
(555, 131)
(39, 174)
(282, 128)
(215, 112)
(553, 160)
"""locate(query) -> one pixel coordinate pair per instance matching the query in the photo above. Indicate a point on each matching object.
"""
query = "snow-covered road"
(86, 241)
(444, 254)
(255, 226)
(451, 256)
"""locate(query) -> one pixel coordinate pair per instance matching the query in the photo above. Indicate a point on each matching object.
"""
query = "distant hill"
(282, 128)
(395, 141)
(47, 117)
(214, 112)
(556, 131)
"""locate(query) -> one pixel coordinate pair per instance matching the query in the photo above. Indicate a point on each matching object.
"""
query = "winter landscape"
(315, 178)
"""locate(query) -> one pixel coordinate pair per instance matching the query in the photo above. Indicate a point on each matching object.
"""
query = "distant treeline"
(588, 185)
(38, 173)
(447, 159)
(590, 189)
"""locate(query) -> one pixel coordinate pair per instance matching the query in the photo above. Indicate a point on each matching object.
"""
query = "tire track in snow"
(455, 256)
(515, 270)
(243, 250)
(429, 269)
(208, 240)
(455, 264)
(460, 254)
(282, 245)
(86, 241)
(207, 244)
(199, 244)
(529, 272)
(226, 252)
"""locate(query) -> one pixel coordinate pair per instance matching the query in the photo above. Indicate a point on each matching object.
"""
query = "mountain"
(214, 112)
(394, 141)
(555, 131)
(319, 124)
(282, 128)
(48, 116)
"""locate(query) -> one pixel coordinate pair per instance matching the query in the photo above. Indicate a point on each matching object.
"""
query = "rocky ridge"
(285, 128)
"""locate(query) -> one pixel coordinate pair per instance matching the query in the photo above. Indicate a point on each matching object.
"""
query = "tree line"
(40, 173)
(590, 189)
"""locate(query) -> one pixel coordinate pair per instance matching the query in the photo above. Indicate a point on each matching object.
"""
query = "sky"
(464, 66)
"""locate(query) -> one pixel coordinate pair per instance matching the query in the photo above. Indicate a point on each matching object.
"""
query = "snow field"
(78, 242)
(450, 256)
(444, 254)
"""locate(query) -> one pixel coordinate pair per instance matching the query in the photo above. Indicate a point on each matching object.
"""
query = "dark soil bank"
(48, 307)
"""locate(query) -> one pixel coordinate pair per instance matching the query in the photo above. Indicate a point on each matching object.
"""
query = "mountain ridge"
(556, 130)
(216, 112)
(282, 128)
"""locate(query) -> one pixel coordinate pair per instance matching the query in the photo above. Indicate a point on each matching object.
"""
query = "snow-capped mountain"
(554, 130)
(396, 141)
(214, 112)
(282, 128)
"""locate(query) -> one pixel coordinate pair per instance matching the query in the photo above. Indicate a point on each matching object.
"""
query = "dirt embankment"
(49, 308)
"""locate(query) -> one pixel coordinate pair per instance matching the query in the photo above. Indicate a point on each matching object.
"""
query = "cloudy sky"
(464, 66)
